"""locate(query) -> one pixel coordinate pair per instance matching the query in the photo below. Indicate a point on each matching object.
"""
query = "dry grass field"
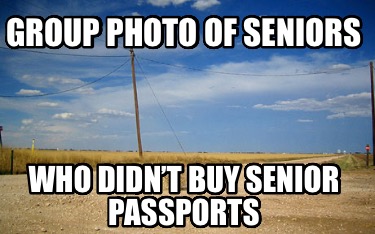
(24, 156)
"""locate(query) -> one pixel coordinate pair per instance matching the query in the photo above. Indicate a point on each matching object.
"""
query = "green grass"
(352, 162)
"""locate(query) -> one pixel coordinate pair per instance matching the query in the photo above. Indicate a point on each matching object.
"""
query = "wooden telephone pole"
(140, 151)
(1, 142)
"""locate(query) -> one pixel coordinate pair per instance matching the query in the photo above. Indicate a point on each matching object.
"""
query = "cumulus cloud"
(44, 128)
(305, 120)
(54, 82)
(184, 89)
(65, 115)
(135, 13)
(204, 4)
(50, 81)
(57, 83)
(63, 81)
(237, 107)
(27, 121)
(340, 66)
(352, 105)
(115, 113)
(163, 3)
(30, 92)
(85, 90)
(48, 104)
(236, 78)
(198, 4)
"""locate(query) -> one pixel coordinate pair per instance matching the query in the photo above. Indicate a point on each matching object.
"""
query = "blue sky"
(208, 110)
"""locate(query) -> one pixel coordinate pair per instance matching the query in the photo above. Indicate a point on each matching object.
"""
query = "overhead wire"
(251, 74)
(193, 68)
(161, 107)
(67, 90)
(66, 54)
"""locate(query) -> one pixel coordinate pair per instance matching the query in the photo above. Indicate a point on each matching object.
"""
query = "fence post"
(367, 154)
(11, 162)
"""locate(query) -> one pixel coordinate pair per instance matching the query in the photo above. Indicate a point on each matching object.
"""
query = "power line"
(251, 74)
(161, 108)
(187, 67)
(39, 7)
(66, 90)
(66, 54)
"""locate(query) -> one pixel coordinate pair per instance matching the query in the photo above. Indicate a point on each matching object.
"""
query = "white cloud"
(186, 89)
(179, 86)
(198, 4)
(352, 105)
(63, 81)
(340, 66)
(85, 90)
(30, 92)
(45, 128)
(135, 14)
(163, 3)
(65, 115)
(110, 112)
(110, 137)
(237, 107)
(27, 121)
(204, 4)
(305, 120)
(322, 56)
(57, 129)
(57, 83)
(48, 104)
(46, 81)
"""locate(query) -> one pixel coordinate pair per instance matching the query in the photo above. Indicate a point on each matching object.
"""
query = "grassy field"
(353, 162)
(24, 156)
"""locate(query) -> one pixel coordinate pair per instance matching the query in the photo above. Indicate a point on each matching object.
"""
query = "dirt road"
(353, 211)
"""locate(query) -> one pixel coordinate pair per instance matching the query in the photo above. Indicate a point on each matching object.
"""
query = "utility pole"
(140, 151)
(1, 142)
(373, 110)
